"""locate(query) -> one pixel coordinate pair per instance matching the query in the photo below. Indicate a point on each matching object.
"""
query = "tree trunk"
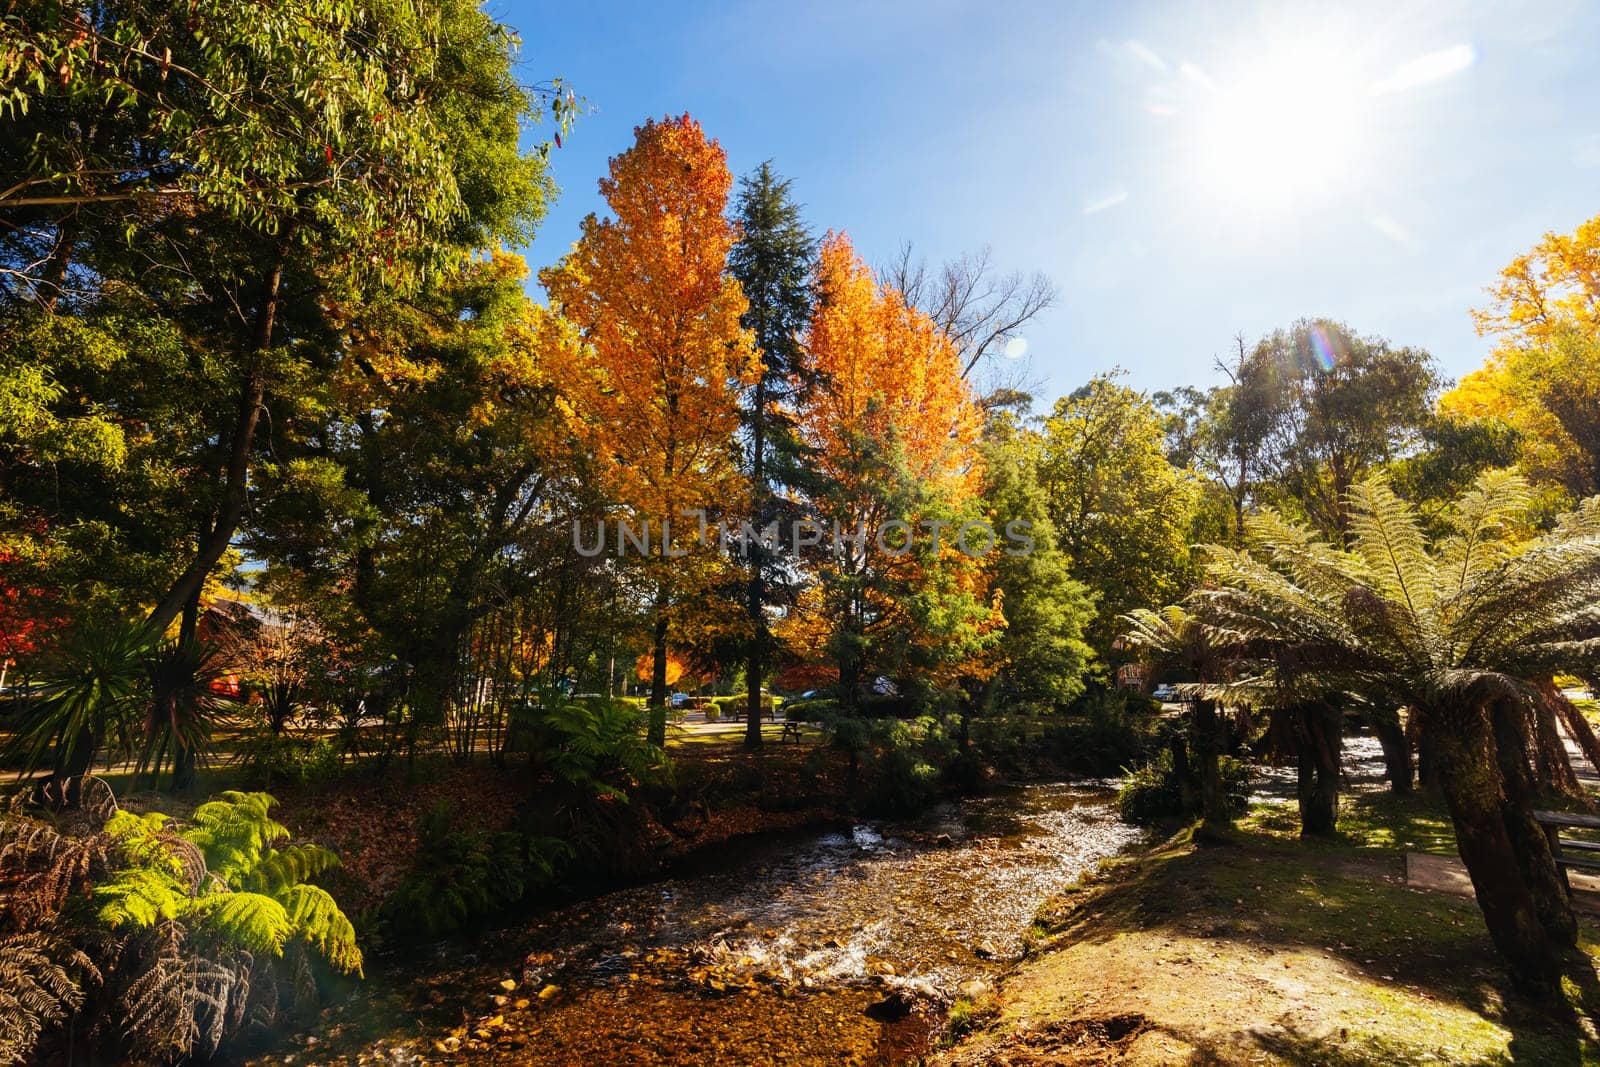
(1528, 839)
(77, 762)
(658, 676)
(1468, 773)
(756, 591)
(1317, 746)
(1396, 750)
(1183, 773)
(1427, 761)
(184, 757)
(236, 483)
(1208, 751)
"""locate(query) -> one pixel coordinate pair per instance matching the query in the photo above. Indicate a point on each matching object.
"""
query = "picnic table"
(1554, 822)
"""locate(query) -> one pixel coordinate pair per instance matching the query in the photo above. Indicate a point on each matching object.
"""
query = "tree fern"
(1460, 631)
(140, 896)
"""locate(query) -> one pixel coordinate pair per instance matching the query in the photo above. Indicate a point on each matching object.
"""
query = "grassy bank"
(1279, 952)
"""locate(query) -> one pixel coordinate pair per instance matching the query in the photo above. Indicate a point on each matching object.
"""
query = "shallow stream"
(830, 948)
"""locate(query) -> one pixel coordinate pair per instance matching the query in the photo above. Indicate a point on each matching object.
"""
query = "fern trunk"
(1396, 751)
(1517, 792)
(1208, 752)
(1469, 775)
(1317, 746)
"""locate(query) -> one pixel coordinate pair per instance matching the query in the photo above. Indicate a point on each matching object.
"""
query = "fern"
(317, 920)
(141, 897)
(250, 921)
(281, 869)
(235, 832)
(36, 990)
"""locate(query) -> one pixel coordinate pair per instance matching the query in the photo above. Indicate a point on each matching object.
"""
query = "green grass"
(1416, 822)
(733, 736)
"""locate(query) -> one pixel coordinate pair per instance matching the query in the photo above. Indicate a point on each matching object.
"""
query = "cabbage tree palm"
(1458, 630)
(91, 697)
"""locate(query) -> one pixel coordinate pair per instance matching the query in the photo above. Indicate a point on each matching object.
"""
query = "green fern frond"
(140, 897)
(1388, 535)
(318, 921)
(282, 868)
(252, 921)
(234, 832)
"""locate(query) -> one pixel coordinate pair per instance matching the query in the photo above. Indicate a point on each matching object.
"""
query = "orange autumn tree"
(1543, 378)
(894, 430)
(661, 356)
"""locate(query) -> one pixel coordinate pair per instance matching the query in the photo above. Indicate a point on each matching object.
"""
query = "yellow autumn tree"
(894, 431)
(1543, 378)
(661, 356)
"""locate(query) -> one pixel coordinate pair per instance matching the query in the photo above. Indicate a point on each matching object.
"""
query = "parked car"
(680, 699)
(1166, 694)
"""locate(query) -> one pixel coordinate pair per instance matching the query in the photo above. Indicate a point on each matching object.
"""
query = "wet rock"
(985, 951)
(891, 1009)
(944, 841)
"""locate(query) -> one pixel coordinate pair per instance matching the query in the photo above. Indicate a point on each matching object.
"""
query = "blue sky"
(1184, 172)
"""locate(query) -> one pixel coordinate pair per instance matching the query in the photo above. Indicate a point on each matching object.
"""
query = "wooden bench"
(791, 728)
(1553, 822)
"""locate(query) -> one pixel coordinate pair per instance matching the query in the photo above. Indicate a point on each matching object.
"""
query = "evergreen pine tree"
(772, 261)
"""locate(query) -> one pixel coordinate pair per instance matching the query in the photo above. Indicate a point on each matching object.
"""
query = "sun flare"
(1283, 130)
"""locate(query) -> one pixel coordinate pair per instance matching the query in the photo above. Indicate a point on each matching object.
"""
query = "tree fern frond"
(281, 868)
(318, 921)
(37, 989)
(253, 921)
(1388, 534)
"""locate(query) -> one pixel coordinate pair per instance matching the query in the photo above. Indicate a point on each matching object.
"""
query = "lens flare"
(1325, 348)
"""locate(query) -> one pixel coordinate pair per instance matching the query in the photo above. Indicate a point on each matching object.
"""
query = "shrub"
(463, 875)
(1103, 732)
(713, 712)
(297, 758)
(1152, 791)
(902, 759)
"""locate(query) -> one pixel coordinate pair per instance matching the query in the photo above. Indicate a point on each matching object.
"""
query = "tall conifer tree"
(772, 261)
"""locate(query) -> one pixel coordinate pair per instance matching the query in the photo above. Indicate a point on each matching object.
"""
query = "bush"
(463, 875)
(818, 709)
(1104, 731)
(1152, 791)
(713, 712)
(302, 759)
(901, 759)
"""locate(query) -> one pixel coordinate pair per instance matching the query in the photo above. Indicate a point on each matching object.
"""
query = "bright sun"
(1282, 131)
